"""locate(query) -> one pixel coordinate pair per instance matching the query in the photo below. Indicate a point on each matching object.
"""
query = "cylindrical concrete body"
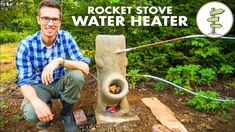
(111, 70)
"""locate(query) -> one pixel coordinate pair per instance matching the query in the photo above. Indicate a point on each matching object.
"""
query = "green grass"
(8, 70)
(3, 105)
(2, 122)
(18, 117)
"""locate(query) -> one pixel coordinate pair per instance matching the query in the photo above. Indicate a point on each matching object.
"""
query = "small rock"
(191, 129)
(52, 123)
(93, 129)
(180, 99)
(43, 130)
(203, 115)
(188, 112)
(214, 122)
(184, 120)
(208, 127)
(221, 120)
(201, 126)
(209, 119)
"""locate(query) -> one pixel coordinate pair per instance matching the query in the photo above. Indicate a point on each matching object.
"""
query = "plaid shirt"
(32, 56)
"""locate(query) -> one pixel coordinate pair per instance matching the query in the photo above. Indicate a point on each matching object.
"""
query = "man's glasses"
(48, 19)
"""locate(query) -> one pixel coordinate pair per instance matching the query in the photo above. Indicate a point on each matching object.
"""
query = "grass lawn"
(8, 70)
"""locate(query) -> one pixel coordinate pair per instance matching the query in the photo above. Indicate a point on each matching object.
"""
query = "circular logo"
(214, 19)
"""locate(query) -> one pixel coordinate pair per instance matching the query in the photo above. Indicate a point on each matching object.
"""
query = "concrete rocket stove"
(112, 105)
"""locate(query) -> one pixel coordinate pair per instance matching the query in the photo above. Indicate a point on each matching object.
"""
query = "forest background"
(192, 63)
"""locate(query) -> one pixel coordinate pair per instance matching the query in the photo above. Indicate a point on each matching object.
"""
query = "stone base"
(120, 117)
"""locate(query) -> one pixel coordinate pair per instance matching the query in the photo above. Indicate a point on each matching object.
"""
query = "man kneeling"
(41, 60)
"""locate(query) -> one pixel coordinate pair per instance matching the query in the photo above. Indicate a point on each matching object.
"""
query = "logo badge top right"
(214, 19)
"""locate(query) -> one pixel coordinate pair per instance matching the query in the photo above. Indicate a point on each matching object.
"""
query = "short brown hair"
(49, 3)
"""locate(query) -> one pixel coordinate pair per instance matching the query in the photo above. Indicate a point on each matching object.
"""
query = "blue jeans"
(67, 88)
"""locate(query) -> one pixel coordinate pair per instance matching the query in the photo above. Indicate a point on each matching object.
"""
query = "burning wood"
(112, 108)
(114, 89)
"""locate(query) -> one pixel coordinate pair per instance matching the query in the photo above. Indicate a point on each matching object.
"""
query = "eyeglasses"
(48, 19)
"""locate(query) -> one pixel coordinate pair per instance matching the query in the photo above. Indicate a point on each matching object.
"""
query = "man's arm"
(78, 65)
(47, 74)
(42, 111)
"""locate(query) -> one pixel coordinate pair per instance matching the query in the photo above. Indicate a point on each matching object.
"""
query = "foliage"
(207, 75)
(17, 15)
(159, 86)
(207, 104)
(191, 74)
(90, 53)
(8, 36)
(18, 117)
(2, 122)
(226, 115)
(3, 105)
(133, 80)
(226, 69)
(183, 75)
(230, 85)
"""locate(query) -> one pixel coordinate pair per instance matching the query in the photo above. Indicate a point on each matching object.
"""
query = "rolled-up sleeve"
(24, 66)
(74, 51)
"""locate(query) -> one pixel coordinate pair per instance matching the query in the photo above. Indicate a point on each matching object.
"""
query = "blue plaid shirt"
(32, 56)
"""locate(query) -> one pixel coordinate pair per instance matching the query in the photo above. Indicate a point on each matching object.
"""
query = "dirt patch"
(192, 119)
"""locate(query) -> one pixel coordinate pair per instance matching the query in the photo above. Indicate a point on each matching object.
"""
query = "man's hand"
(42, 110)
(84, 67)
(47, 73)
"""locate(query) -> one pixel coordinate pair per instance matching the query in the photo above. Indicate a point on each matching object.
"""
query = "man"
(41, 60)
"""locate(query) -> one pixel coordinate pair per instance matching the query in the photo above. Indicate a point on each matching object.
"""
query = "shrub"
(191, 74)
(226, 69)
(183, 75)
(207, 76)
(133, 80)
(159, 86)
(8, 36)
(201, 103)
